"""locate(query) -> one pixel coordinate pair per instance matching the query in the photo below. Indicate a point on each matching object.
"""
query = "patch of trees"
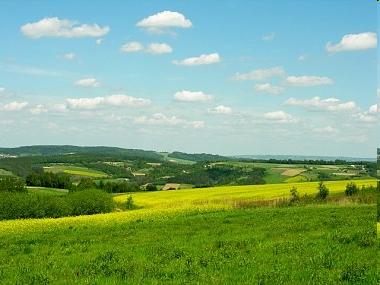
(203, 175)
(35, 205)
(12, 184)
(49, 179)
(198, 157)
(110, 187)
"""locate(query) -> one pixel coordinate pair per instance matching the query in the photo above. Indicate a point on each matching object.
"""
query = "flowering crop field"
(229, 195)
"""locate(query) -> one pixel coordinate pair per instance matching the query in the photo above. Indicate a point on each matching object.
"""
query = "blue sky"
(245, 77)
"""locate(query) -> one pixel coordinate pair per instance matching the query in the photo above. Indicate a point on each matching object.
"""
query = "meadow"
(75, 171)
(198, 236)
(319, 244)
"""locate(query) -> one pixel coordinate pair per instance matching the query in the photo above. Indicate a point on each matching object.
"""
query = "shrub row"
(34, 205)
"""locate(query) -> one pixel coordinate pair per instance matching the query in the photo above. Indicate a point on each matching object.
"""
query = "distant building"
(171, 186)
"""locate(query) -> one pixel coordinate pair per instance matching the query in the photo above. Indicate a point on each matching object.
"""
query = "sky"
(225, 77)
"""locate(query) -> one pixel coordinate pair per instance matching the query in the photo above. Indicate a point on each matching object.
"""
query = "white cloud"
(221, 110)
(99, 41)
(306, 81)
(327, 129)
(192, 96)
(280, 117)
(132, 47)
(87, 82)
(268, 88)
(329, 104)
(117, 100)
(164, 120)
(353, 42)
(37, 110)
(373, 109)
(158, 48)
(164, 21)
(2, 90)
(60, 108)
(14, 106)
(269, 37)
(369, 116)
(260, 74)
(69, 56)
(199, 60)
(55, 27)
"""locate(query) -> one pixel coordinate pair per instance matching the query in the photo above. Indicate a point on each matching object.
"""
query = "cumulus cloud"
(60, 108)
(87, 82)
(260, 74)
(14, 106)
(164, 120)
(69, 56)
(37, 110)
(221, 110)
(373, 109)
(192, 96)
(132, 47)
(307, 81)
(55, 27)
(369, 116)
(164, 21)
(268, 88)
(99, 41)
(159, 48)
(203, 59)
(329, 104)
(280, 117)
(354, 42)
(117, 100)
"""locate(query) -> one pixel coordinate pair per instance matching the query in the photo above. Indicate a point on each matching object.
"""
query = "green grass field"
(198, 236)
(75, 171)
(296, 245)
(5, 173)
(47, 191)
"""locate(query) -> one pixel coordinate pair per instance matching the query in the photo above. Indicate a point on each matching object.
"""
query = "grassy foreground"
(297, 245)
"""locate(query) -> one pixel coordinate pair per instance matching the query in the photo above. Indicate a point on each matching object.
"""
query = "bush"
(129, 204)
(151, 187)
(323, 191)
(351, 189)
(36, 205)
(11, 184)
(33, 205)
(90, 202)
(294, 195)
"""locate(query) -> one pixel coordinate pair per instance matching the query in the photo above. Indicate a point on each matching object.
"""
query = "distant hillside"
(304, 157)
(198, 157)
(69, 149)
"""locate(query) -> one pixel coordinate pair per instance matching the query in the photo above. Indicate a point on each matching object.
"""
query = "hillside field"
(198, 236)
(75, 171)
(230, 195)
(320, 244)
